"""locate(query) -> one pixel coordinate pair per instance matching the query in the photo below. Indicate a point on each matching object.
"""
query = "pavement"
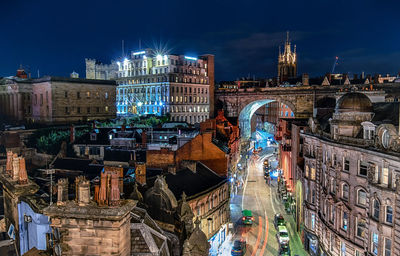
(263, 201)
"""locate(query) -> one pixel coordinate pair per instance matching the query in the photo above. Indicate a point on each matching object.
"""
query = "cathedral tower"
(287, 61)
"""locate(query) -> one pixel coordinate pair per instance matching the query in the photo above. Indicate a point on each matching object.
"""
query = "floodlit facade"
(287, 62)
(150, 82)
(351, 180)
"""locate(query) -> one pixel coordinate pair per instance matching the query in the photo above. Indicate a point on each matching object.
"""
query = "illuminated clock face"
(385, 138)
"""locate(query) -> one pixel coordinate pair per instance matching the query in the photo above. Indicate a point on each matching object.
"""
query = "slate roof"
(193, 183)
(386, 113)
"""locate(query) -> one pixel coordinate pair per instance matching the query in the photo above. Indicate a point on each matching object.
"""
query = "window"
(385, 176)
(312, 221)
(345, 191)
(78, 95)
(333, 185)
(106, 108)
(106, 95)
(345, 220)
(388, 247)
(65, 94)
(88, 110)
(66, 110)
(346, 164)
(41, 99)
(361, 226)
(389, 214)
(363, 169)
(97, 109)
(361, 197)
(78, 110)
(376, 209)
(312, 174)
(343, 249)
(375, 239)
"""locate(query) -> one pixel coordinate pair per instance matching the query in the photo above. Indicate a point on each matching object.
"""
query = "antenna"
(123, 54)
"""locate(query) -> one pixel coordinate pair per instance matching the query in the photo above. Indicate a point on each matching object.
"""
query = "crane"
(334, 64)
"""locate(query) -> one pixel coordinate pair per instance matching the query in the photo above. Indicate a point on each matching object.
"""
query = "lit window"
(345, 220)
(385, 176)
(361, 226)
(375, 239)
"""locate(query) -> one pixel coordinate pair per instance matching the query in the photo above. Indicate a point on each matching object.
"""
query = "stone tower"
(287, 61)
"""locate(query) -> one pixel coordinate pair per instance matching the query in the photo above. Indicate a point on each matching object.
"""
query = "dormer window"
(93, 136)
(369, 130)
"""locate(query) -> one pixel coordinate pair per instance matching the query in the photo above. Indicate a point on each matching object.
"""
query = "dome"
(354, 102)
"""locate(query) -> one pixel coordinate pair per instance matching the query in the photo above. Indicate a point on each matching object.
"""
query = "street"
(262, 200)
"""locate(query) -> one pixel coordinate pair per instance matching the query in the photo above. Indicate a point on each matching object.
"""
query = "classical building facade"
(57, 99)
(287, 61)
(153, 83)
(351, 180)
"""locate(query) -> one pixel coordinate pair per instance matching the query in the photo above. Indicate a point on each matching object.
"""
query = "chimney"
(78, 180)
(23, 176)
(96, 192)
(305, 79)
(83, 192)
(72, 134)
(114, 199)
(144, 138)
(102, 198)
(9, 165)
(15, 168)
(62, 193)
(140, 173)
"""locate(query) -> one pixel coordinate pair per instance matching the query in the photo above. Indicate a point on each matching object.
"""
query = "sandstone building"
(56, 99)
(351, 180)
(287, 62)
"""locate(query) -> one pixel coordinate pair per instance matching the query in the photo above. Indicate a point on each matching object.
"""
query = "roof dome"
(354, 102)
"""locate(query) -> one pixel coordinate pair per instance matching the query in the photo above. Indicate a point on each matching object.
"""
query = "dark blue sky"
(56, 36)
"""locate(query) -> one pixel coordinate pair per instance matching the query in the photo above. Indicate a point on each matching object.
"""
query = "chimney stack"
(102, 198)
(9, 164)
(23, 176)
(305, 79)
(62, 193)
(15, 168)
(114, 193)
(83, 192)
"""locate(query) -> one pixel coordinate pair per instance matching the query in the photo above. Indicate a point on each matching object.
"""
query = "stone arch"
(250, 106)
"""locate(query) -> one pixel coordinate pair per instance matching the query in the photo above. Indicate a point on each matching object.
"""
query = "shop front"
(217, 240)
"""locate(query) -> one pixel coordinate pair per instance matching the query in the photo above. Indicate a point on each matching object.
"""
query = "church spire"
(287, 37)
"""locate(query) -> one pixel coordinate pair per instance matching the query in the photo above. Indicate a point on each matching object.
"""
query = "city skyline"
(239, 35)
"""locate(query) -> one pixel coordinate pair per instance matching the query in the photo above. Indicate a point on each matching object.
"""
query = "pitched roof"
(193, 183)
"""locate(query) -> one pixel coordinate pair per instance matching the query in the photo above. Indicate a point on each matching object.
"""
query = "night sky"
(244, 35)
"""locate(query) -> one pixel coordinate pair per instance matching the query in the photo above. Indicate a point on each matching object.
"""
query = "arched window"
(361, 197)
(376, 209)
(389, 214)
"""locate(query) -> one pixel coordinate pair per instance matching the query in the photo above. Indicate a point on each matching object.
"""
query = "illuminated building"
(351, 179)
(287, 62)
(151, 82)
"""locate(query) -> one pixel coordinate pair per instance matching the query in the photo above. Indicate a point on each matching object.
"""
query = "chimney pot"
(62, 191)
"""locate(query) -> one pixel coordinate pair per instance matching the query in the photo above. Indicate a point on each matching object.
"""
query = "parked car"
(279, 220)
(282, 235)
(238, 248)
(284, 250)
(247, 217)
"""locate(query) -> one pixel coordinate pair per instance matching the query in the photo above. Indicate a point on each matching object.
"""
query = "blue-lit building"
(150, 82)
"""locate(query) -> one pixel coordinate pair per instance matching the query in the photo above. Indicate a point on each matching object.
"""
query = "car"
(282, 235)
(284, 250)
(279, 220)
(238, 248)
(247, 218)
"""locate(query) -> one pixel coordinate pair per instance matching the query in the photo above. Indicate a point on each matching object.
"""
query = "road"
(262, 200)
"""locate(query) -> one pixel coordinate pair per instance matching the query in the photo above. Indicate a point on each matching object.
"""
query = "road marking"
(258, 236)
(266, 236)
